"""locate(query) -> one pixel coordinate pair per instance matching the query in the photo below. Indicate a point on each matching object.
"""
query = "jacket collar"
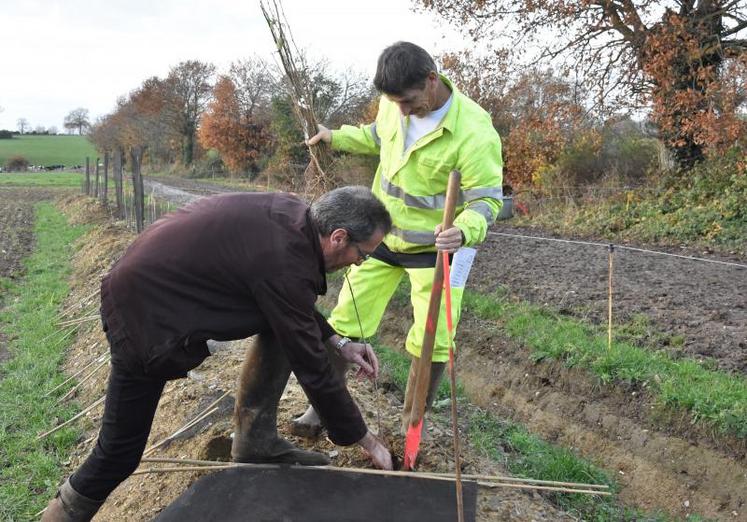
(449, 121)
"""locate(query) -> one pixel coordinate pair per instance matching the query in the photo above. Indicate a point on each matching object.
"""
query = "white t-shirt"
(419, 127)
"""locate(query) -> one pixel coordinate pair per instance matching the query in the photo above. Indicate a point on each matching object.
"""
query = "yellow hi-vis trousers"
(374, 283)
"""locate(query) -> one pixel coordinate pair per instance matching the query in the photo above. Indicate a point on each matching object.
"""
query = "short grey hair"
(353, 208)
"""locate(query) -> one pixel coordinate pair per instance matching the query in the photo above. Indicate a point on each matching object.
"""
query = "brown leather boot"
(70, 506)
(437, 371)
(264, 374)
(309, 425)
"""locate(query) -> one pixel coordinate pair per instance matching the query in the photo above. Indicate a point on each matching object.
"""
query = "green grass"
(397, 365)
(712, 397)
(48, 150)
(41, 179)
(526, 455)
(31, 469)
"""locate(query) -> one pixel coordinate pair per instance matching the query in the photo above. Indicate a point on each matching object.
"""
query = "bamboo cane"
(85, 379)
(500, 478)
(452, 388)
(209, 410)
(98, 358)
(76, 417)
(181, 430)
(78, 320)
(234, 465)
(70, 308)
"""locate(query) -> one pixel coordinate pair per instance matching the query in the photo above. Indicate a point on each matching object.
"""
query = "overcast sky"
(59, 55)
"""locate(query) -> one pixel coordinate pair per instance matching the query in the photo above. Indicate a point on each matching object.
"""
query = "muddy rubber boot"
(70, 506)
(437, 371)
(309, 425)
(264, 374)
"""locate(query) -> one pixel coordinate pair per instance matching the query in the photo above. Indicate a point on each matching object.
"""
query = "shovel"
(423, 371)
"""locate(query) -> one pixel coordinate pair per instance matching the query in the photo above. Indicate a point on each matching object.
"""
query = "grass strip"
(31, 469)
(710, 396)
(41, 179)
(528, 456)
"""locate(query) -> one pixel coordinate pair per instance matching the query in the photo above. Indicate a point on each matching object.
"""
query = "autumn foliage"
(238, 137)
(536, 113)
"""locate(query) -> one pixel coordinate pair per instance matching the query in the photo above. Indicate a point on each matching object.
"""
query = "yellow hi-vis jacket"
(412, 183)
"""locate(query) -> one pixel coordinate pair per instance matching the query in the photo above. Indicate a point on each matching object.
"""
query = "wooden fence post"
(136, 153)
(119, 192)
(96, 185)
(88, 176)
(105, 188)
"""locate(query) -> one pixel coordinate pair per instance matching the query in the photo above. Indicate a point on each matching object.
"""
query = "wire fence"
(153, 207)
(619, 247)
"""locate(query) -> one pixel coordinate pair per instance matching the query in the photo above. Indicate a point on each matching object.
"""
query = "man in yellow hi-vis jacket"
(425, 128)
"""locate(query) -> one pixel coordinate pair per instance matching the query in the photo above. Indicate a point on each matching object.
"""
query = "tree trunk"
(188, 147)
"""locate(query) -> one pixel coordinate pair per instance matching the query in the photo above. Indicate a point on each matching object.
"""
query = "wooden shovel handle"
(423, 372)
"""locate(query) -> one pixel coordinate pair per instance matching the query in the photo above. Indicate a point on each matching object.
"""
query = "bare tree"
(22, 124)
(256, 81)
(670, 54)
(77, 119)
(190, 84)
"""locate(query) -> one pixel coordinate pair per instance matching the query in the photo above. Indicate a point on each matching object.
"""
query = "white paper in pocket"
(461, 265)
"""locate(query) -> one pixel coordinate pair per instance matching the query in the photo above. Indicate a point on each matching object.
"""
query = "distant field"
(40, 179)
(48, 150)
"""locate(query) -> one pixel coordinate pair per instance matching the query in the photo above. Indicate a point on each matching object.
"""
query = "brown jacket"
(228, 267)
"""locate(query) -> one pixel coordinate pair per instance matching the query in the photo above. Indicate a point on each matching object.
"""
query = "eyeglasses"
(361, 254)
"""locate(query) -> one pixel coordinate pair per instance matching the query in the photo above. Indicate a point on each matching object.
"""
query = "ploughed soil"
(700, 307)
(16, 234)
(661, 460)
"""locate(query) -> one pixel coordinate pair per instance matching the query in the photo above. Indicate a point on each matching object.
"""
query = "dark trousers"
(131, 402)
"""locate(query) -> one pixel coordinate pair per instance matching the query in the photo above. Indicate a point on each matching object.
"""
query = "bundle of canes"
(317, 176)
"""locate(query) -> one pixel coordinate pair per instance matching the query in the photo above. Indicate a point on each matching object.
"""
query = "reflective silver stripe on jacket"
(414, 236)
(374, 135)
(483, 209)
(438, 201)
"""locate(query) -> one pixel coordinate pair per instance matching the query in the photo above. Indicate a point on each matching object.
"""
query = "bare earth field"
(704, 305)
(662, 463)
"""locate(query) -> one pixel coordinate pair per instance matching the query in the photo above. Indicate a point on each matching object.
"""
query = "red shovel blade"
(412, 444)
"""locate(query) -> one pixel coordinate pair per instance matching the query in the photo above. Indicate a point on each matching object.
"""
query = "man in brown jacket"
(229, 267)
